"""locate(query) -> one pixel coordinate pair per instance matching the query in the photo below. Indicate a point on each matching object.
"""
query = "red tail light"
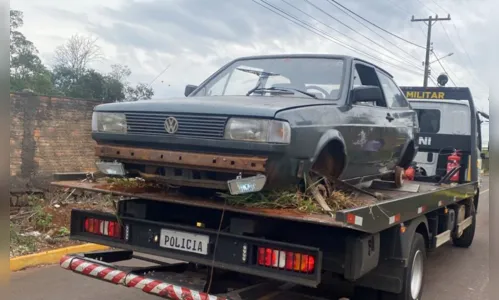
(291, 261)
(102, 227)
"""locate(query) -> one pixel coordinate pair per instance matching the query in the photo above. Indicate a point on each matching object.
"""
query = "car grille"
(201, 126)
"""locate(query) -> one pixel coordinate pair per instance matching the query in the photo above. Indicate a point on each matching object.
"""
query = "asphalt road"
(452, 273)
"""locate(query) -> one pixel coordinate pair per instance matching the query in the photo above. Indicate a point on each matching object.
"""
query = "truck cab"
(444, 120)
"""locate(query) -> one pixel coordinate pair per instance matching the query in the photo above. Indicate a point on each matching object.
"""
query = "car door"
(364, 128)
(400, 120)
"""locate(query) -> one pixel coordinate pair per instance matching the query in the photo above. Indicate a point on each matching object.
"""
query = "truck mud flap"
(112, 274)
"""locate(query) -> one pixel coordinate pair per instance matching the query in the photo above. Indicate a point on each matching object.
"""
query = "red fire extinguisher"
(453, 161)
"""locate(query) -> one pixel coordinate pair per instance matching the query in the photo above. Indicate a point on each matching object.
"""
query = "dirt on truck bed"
(292, 199)
(292, 203)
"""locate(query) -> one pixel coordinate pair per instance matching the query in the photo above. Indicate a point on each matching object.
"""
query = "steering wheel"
(315, 87)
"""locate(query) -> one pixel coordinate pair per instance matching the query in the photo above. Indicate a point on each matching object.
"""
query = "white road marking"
(484, 191)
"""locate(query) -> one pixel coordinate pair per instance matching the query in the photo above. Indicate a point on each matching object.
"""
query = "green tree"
(26, 68)
(89, 84)
(139, 92)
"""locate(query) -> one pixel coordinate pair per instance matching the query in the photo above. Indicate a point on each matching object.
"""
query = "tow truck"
(232, 252)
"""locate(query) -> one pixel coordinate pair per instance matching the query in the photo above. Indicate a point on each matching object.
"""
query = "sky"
(171, 43)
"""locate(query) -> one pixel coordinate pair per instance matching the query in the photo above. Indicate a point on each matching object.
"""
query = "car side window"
(394, 97)
(365, 75)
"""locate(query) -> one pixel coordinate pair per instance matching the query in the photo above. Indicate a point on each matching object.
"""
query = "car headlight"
(255, 130)
(109, 122)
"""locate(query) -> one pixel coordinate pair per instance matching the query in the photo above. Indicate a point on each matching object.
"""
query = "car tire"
(399, 177)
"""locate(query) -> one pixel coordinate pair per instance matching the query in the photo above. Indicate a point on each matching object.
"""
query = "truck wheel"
(412, 288)
(466, 239)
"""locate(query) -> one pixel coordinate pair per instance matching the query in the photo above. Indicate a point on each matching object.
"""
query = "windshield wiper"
(262, 76)
(282, 89)
(258, 73)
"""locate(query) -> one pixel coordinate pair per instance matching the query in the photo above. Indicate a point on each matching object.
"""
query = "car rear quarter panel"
(355, 126)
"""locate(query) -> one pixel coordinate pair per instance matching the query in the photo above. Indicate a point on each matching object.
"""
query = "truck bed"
(414, 199)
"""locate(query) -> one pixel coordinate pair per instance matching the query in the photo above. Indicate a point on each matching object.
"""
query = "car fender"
(329, 136)
(405, 148)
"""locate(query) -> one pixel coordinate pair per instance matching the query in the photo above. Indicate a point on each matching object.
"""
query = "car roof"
(298, 55)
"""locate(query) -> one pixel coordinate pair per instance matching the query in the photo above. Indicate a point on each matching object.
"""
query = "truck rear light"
(102, 227)
(291, 261)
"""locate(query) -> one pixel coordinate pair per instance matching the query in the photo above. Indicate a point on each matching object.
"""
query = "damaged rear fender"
(408, 153)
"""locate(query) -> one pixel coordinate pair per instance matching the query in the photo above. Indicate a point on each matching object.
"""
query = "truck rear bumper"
(112, 274)
(219, 249)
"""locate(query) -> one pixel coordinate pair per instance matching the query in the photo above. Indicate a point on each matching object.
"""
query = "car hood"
(221, 105)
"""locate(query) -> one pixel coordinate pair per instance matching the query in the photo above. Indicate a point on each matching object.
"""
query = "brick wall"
(48, 135)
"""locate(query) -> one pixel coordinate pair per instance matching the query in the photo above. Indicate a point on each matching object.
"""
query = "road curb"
(50, 257)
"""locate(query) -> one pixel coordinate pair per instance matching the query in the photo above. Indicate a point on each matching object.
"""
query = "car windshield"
(296, 77)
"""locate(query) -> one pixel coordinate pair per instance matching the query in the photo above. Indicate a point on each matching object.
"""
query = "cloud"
(196, 37)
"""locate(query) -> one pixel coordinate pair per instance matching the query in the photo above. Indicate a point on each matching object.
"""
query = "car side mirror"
(366, 93)
(189, 89)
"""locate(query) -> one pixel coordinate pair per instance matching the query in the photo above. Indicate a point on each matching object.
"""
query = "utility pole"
(429, 22)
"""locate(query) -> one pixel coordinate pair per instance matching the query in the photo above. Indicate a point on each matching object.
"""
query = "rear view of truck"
(233, 248)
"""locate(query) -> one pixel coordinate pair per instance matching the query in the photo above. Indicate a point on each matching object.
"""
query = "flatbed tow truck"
(229, 252)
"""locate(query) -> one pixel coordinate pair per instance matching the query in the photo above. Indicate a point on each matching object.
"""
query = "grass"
(290, 199)
(20, 244)
(44, 223)
(127, 183)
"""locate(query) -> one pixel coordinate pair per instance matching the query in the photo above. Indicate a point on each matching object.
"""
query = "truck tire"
(466, 239)
(412, 288)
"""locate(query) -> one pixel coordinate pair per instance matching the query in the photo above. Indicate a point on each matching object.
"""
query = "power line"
(442, 66)
(430, 23)
(435, 2)
(294, 19)
(470, 73)
(403, 9)
(325, 35)
(426, 6)
(433, 80)
(390, 33)
(450, 40)
(467, 54)
(450, 71)
(161, 73)
(448, 37)
(399, 58)
(369, 28)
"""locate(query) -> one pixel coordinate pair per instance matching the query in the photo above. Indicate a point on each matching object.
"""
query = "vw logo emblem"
(171, 125)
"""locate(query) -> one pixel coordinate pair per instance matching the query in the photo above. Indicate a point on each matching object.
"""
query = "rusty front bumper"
(198, 161)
